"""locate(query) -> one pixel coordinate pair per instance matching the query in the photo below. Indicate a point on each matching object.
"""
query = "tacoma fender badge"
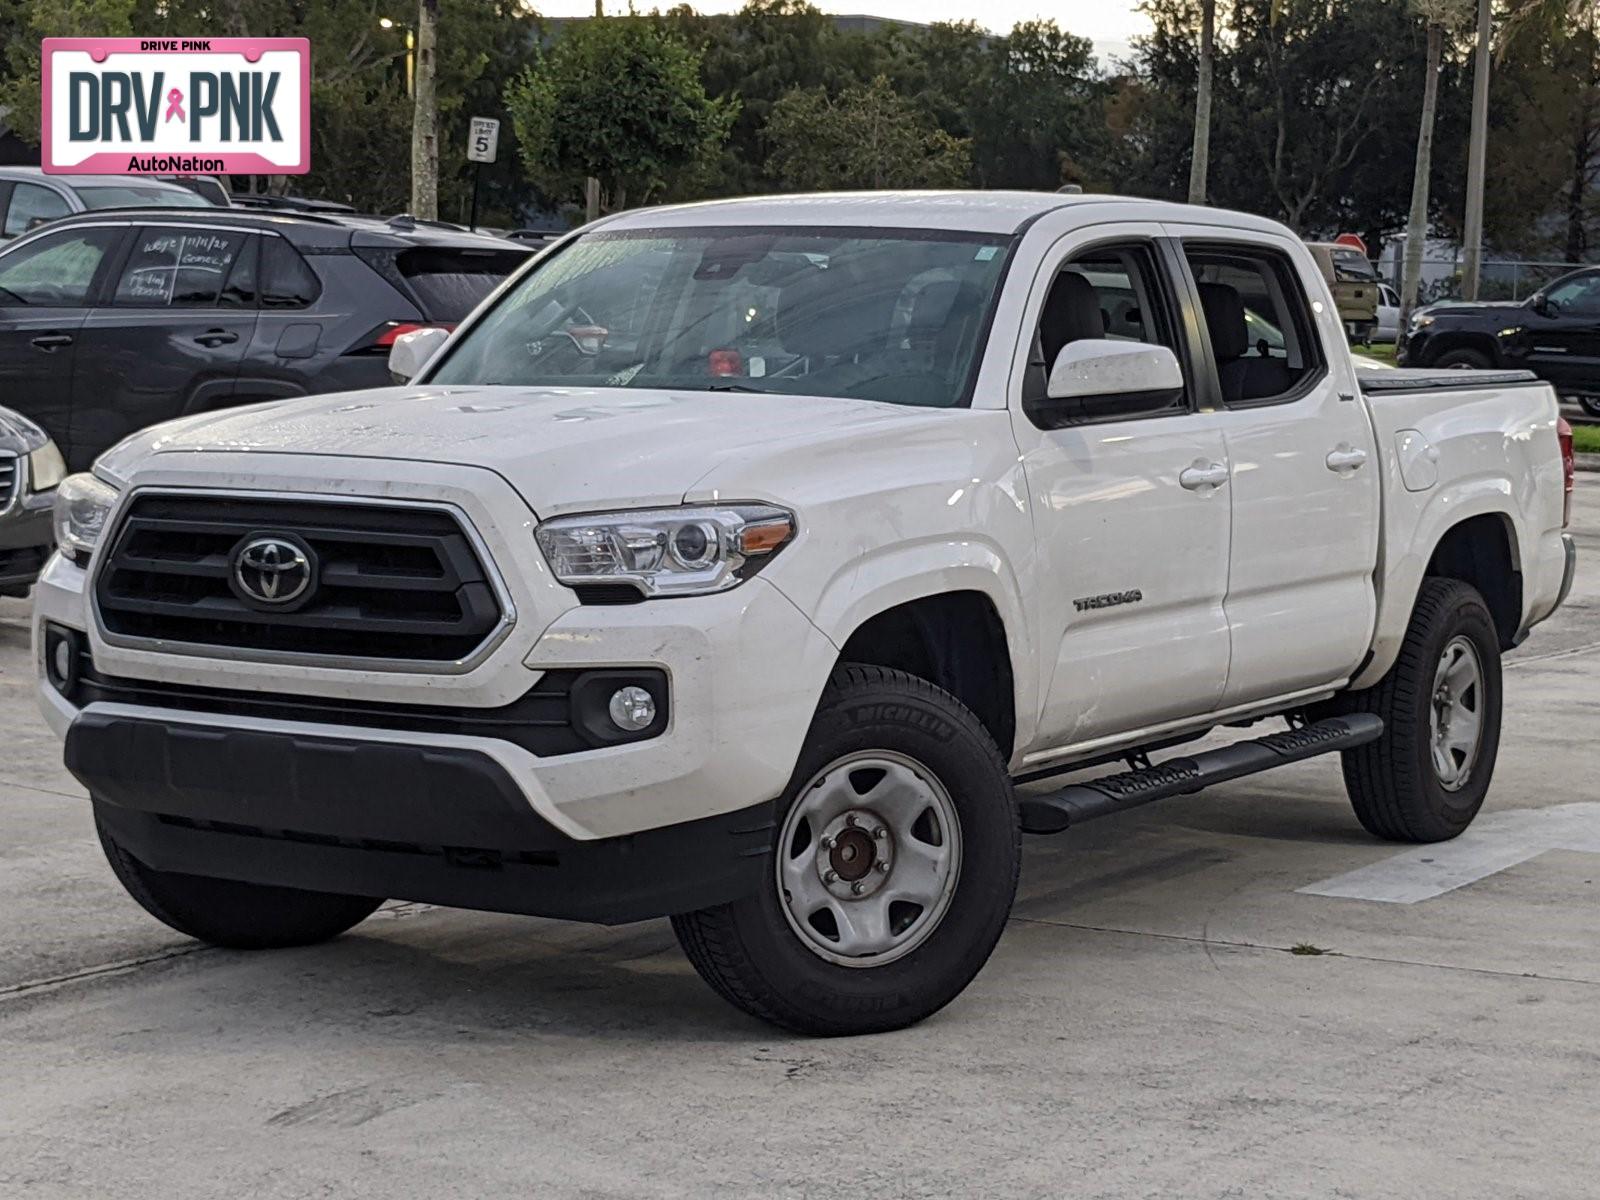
(1108, 600)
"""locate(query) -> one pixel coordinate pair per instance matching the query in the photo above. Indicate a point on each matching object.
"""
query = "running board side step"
(1080, 802)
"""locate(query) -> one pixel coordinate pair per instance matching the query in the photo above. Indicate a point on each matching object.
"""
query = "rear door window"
(1258, 321)
(179, 268)
(449, 284)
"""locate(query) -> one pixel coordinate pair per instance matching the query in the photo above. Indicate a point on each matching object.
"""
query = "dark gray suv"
(113, 321)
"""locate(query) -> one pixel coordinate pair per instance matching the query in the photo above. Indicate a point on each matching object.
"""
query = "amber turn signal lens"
(764, 538)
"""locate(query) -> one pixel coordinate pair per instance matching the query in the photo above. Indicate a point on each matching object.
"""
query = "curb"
(1587, 462)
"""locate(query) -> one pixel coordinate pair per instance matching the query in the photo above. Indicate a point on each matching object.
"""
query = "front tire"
(225, 912)
(1426, 777)
(1464, 360)
(895, 864)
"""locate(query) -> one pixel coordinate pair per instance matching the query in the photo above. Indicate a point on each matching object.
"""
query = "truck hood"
(563, 449)
(1479, 308)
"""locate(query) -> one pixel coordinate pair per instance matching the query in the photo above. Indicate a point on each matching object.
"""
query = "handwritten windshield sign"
(144, 106)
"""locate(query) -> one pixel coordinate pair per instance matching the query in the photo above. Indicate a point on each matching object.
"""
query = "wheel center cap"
(855, 854)
(851, 855)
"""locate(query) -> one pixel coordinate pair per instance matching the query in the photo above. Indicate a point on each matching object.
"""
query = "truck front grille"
(399, 582)
(10, 476)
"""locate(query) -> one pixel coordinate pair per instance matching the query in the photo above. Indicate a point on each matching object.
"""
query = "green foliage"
(866, 137)
(361, 117)
(620, 100)
(1313, 119)
(1314, 113)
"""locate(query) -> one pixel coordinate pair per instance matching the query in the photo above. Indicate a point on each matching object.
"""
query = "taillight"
(382, 338)
(1569, 469)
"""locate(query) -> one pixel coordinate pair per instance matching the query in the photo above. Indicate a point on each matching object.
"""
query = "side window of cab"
(1114, 293)
(1258, 321)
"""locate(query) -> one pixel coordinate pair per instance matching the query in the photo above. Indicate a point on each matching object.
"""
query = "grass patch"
(1586, 439)
(1306, 948)
(1383, 354)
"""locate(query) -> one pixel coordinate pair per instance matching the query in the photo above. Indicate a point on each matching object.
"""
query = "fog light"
(61, 648)
(632, 709)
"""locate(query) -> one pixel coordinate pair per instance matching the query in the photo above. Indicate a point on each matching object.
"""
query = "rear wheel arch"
(1482, 551)
(954, 640)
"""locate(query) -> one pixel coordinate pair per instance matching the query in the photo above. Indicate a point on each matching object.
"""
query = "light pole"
(411, 49)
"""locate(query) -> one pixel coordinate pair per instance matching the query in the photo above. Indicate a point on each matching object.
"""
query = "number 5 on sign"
(483, 140)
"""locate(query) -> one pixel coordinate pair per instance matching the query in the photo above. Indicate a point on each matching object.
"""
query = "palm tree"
(1439, 16)
(1200, 163)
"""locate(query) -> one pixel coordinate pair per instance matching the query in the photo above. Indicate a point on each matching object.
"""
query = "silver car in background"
(30, 469)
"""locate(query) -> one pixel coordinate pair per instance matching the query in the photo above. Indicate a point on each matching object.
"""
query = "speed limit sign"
(483, 139)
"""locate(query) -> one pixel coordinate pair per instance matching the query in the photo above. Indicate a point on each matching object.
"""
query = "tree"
(425, 116)
(1547, 128)
(867, 137)
(621, 100)
(1440, 17)
(1199, 162)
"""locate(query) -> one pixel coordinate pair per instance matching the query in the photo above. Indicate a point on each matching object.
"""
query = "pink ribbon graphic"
(175, 105)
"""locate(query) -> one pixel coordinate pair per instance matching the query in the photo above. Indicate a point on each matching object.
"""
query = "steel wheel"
(1457, 722)
(869, 859)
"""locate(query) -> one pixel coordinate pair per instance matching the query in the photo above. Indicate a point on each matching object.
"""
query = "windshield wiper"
(735, 387)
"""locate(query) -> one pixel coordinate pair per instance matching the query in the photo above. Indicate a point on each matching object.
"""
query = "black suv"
(113, 321)
(1555, 333)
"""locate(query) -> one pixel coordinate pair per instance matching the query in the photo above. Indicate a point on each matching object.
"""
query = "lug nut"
(880, 832)
(857, 888)
(826, 843)
(831, 877)
(882, 866)
(850, 820)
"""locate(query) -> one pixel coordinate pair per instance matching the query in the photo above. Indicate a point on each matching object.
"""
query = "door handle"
(1346, 458)
(51, 342)
(217, 337)
(1203, 474)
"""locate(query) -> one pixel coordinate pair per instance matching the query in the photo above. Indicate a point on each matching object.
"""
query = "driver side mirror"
(1097, 378)
(411, 352)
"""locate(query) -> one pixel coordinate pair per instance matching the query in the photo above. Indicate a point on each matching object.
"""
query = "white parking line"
(1495, 842)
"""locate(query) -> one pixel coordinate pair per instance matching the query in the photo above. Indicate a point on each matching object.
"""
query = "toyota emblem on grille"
(272, 571)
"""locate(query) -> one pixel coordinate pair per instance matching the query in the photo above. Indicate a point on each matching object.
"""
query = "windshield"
(865, 314)
(131, 195)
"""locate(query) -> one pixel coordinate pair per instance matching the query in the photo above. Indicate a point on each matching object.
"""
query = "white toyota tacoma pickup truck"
(734, 563)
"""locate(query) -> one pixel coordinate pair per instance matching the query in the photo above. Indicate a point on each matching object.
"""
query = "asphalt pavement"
(1237, 994)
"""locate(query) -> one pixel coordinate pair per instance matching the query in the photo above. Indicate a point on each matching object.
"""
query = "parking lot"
(1168, 1014)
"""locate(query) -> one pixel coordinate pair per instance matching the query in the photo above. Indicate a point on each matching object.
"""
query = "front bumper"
(439, 825)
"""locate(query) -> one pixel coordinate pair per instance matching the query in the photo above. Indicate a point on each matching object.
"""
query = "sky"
(1108, 23)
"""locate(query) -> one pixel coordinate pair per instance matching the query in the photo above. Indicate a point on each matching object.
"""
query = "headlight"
(82, 505)
(46, 467)
(666, 552)
(1421, 319)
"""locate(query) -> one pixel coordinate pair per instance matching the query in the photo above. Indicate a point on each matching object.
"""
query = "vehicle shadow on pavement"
(451, 976)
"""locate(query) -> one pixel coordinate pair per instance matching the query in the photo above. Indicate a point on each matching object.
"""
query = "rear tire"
(1464, 359)
(1590, 405)
(1426, 777)
(902, 790)
(225, 912)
